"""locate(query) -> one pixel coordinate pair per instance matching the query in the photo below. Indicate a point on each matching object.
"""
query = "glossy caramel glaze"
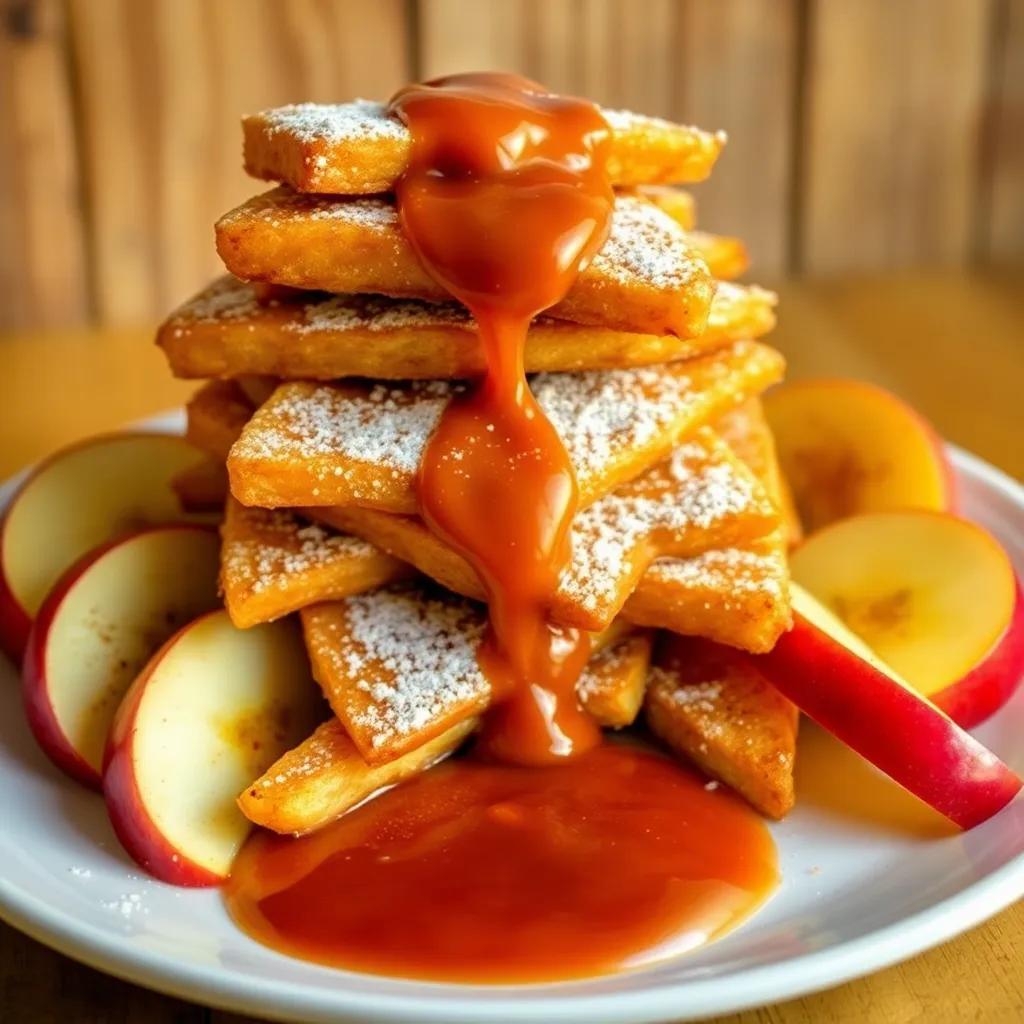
(490, 873)
(505, 200)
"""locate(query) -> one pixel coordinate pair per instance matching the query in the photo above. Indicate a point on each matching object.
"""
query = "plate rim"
(455, 1004)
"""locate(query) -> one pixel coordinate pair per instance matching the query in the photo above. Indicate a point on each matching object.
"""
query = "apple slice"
(836, 679)
(78, 498)
(99, 626)
(847, 447)
(934, 596)
(213, 709)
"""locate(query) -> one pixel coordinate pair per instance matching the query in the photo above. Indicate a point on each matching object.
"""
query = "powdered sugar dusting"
(731, 299)
(266, 549)
(308, 123)
(598, 414)
(282, 208)
(311, 123)
(411, 658)
(601, 414)
(697, 488)
(313, 756)
(647, 246)
(227, 298)
(381, 425)
(604, 670)
(724, 571)
(378, 313)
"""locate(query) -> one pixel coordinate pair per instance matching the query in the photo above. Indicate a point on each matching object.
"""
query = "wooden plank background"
(864, 136)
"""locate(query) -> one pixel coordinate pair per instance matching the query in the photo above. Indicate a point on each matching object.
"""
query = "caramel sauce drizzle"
(506, 199)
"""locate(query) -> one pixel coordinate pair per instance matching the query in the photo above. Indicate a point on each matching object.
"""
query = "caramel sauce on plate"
(491, 873)
(505, 200)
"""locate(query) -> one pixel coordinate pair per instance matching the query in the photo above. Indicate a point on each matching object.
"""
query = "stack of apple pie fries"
(328, 356)
(332, 356)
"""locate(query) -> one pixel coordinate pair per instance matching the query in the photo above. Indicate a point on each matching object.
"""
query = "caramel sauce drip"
(505, 200)
(482, 872)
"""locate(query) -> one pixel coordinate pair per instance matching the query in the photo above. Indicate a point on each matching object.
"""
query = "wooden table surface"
(952, 344)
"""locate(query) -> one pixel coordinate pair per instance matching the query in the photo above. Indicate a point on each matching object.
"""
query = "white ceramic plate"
(863, 886)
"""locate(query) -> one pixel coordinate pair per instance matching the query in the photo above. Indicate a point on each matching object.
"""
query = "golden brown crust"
(215, 416)
(645, 278)
(612, 685)
(710, 704)
(202, 487)
(272, 563)
(357, 149)
(317, 782)
(225, 331)
(317, 445)
(609, 556)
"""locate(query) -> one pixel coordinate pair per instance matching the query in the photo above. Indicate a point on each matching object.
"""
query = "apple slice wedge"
(847, 447)
(213, 709)
(97, 628)
(934, 596)
(836, 679)
(75, 500)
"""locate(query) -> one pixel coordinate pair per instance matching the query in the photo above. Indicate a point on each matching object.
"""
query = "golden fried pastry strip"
(226, 331)
(645, 278)
(325, 776)
(745, 429)
(737, 596)
(202, 487)
(701, 497)
(272, 563)
(398, 665)
(359, 148)
(612, 685)
(710, 704)
(726, 257)
(361, 444)
(215, 417)
(676, 202)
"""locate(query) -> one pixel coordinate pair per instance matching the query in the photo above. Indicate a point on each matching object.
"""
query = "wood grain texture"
(43, 275)
(163, 84)
(890, 149)
(950, 343)
(724, 65)
(1001, 209)
(37, 986)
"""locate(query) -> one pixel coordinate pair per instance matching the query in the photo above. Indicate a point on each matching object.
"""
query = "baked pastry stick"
(230, 330)
(645, 278)
(359, 148)
(361, 443)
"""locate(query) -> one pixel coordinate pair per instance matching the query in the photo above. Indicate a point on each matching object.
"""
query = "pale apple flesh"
(834, 678)
(847, 447)
(209, 713)
(993, 681)
(97, 628)
(74, 501)
(934, 596)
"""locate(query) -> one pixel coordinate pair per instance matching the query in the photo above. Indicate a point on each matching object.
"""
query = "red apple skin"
(993, 681)
(15, 623)
(38, 709)
(893, 727)
(132, 824)
(34, 690)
